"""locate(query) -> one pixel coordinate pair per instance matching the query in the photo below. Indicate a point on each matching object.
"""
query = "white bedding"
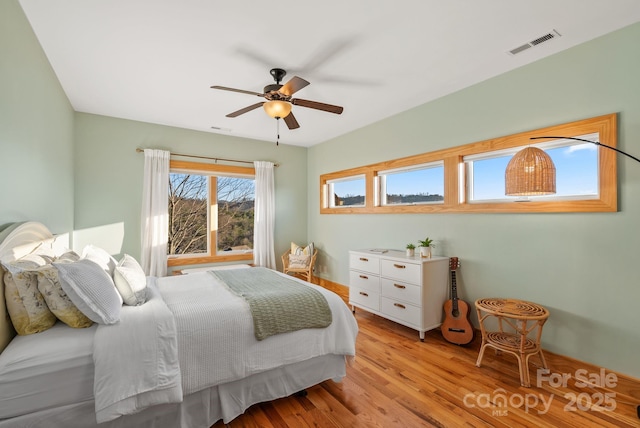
(136, 360)
(59, 373)
(216, 344)
(47, 379)
(200, 409)
(216, 337)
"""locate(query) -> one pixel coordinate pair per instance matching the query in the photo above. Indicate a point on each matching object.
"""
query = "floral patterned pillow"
(57, 300)
(27, 308)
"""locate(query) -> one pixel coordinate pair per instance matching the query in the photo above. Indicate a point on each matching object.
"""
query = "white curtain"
(155, 212)
(264, 216)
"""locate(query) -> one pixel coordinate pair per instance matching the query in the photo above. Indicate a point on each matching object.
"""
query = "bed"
(187, 357)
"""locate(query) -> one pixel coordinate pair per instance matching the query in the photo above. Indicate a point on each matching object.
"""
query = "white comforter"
(136, 360)
(215, 344)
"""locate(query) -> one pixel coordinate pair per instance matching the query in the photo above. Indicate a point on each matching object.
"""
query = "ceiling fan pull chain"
(278, 131)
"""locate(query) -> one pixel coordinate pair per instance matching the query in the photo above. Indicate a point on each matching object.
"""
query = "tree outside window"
(210, 216)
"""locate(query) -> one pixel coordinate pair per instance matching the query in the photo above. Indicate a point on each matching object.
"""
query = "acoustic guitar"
(456, 327)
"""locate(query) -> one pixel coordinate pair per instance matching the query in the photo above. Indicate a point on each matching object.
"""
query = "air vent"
(538, 41)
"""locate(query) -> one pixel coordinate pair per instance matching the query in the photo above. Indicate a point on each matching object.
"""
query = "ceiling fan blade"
(292, 86)
(322, 56)
(291, 121)
(242, 91)
(246, 109)
(316, 105)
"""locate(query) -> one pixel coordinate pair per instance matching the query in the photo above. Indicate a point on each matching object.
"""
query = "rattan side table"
(524, 318)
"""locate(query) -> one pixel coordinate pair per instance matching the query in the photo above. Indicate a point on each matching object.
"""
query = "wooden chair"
(306, 273)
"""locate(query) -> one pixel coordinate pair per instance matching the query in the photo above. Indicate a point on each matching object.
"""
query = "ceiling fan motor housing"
(271, 92)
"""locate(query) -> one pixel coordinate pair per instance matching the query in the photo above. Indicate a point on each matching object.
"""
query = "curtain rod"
(139, 150)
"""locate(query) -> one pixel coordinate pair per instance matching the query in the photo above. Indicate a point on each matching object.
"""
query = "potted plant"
(425, 247)
(411, 250)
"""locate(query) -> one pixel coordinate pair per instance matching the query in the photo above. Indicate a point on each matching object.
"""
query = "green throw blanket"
(278, 304)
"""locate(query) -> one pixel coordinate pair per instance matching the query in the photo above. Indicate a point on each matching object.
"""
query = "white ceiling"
(155, 60)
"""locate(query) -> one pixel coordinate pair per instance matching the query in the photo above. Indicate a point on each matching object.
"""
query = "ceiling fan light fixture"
(277, 109)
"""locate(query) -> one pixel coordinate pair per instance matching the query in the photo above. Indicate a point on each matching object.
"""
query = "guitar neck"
(454, 290)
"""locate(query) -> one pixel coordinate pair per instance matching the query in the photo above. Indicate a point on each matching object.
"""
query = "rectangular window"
(471, 178)
(188, 214)
(576, 163)
(211, 213)
(418, 184)
(346, 192)
(235, 201)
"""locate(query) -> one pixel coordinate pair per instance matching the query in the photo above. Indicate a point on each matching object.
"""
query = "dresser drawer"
(364, 263)
(400, 290)
(400, 310)
(366, 298)
(365, 281)
(402, 271)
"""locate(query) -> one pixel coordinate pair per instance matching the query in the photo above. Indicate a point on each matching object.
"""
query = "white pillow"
(131, 281)
(101, 257)
(91, 289)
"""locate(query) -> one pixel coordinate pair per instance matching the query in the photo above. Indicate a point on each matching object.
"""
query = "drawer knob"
(364, 277)
(399, 266)
(362, 293)
(399, 305)
(399, 286)
(364, 259)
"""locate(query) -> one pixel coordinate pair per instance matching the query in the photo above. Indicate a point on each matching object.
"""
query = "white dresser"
(408, 290)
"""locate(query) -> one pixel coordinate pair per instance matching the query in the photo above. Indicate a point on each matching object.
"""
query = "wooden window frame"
(379, 186)
(327, 198)
(209, 169)
(455, 180)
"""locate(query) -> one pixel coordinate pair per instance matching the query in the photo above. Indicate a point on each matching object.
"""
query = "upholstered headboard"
(17, 240)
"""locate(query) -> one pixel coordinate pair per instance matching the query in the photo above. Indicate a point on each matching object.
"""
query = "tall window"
(211, 213)
(188, 214)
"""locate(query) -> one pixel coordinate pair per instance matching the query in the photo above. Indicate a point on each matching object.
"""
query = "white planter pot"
(425, 252)
(411, 252)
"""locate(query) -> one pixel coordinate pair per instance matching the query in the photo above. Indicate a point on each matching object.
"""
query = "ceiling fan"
(279, 101)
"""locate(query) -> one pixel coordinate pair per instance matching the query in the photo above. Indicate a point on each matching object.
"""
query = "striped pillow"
(91, 289)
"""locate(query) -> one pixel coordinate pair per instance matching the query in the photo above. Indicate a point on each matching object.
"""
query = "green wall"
(36, 130)
(582, 267)
(80, 171)
(108, 177)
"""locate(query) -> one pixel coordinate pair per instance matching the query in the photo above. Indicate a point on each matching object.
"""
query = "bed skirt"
(200, 409)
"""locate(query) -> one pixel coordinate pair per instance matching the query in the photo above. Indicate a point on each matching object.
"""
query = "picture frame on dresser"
(406, 290)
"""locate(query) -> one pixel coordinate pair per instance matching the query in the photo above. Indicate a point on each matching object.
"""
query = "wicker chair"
(306, 273)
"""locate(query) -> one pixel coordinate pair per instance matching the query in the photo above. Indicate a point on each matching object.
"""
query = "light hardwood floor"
(398, 381)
